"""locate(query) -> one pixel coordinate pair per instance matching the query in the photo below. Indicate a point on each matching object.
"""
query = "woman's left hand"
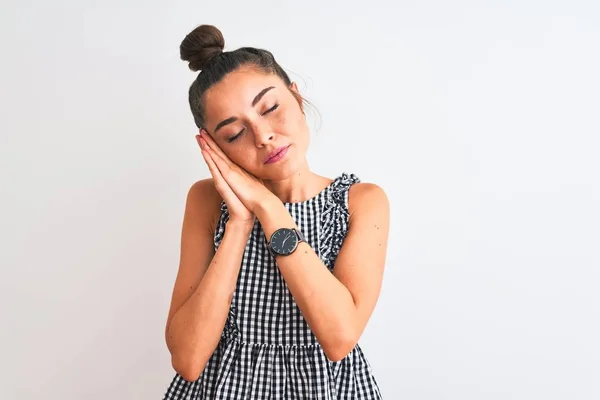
(249, 189)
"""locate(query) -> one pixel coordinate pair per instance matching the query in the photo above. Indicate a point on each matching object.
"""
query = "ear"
(297, 95)
(294, 87)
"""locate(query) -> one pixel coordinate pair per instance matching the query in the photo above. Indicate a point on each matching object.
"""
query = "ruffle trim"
(257, 368)
(220, 231)
(334, 218)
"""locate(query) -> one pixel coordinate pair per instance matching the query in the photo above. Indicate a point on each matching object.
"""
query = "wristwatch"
(284, 241)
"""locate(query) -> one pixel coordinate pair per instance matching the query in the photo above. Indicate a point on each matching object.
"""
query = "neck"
(300, 186)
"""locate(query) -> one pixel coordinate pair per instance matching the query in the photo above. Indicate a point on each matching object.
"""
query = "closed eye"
(271, 109)
(231, 139)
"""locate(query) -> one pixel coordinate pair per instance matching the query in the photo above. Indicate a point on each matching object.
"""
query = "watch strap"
(300, 235)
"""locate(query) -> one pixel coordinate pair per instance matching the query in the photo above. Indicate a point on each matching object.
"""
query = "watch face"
(284, 241)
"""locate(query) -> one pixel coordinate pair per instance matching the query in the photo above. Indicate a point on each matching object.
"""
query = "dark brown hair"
(203, 49)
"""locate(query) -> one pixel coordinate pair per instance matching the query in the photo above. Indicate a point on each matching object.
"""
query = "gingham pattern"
(267, 350)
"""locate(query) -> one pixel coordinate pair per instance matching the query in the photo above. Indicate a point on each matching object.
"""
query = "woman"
(280, 268)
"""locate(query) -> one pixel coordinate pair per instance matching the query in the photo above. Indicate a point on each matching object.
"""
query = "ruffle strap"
(334, 219)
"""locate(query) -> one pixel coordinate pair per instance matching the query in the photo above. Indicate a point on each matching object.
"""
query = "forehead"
(236, 91)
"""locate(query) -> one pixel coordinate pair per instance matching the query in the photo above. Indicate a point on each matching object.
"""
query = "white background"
(479, 118)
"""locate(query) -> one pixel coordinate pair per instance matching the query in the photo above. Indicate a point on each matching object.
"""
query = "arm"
(205, 282)
(337, 306)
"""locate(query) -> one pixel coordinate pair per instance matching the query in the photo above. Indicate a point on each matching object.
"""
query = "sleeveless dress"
(267, 350)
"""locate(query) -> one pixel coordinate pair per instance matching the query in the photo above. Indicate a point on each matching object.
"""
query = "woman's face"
(251, 115)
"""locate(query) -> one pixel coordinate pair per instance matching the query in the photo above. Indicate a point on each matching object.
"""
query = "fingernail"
(204, 143)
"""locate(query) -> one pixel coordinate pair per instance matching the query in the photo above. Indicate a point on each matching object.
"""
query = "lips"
(273, 155)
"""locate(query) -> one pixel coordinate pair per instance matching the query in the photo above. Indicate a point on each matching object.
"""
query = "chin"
(279, 171)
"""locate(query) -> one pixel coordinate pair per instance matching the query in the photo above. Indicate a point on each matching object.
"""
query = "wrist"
(268, 204)
(273, 214)
(240, 226)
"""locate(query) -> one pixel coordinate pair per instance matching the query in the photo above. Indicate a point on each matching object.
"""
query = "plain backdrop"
(480, 119)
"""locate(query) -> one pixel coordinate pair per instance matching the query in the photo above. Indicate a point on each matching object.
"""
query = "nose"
(262, 135)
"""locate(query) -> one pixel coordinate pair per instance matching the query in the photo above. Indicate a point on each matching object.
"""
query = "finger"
(212, 167)
(202, 143)
(219, 182)
(213, 145)
(207, 156)
(209, 162)
(224, 166)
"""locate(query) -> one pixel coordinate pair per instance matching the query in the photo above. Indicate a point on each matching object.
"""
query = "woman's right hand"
(238, 213)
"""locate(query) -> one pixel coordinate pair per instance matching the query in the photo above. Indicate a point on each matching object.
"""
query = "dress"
(267, 350)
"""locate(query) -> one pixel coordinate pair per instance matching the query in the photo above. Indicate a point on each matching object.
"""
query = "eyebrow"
(254, 102)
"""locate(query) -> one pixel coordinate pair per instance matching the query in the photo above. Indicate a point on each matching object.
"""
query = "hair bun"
(200, 45)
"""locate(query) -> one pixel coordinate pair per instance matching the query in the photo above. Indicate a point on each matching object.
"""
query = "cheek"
(244, 157)
(292, 123)
(281, 119)
(300, 129)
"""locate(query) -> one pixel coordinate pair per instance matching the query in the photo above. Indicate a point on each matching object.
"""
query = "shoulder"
(366, 197)
(204, 202)
(204, 190)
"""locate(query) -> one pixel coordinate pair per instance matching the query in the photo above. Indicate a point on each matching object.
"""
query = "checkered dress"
(267, 350)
